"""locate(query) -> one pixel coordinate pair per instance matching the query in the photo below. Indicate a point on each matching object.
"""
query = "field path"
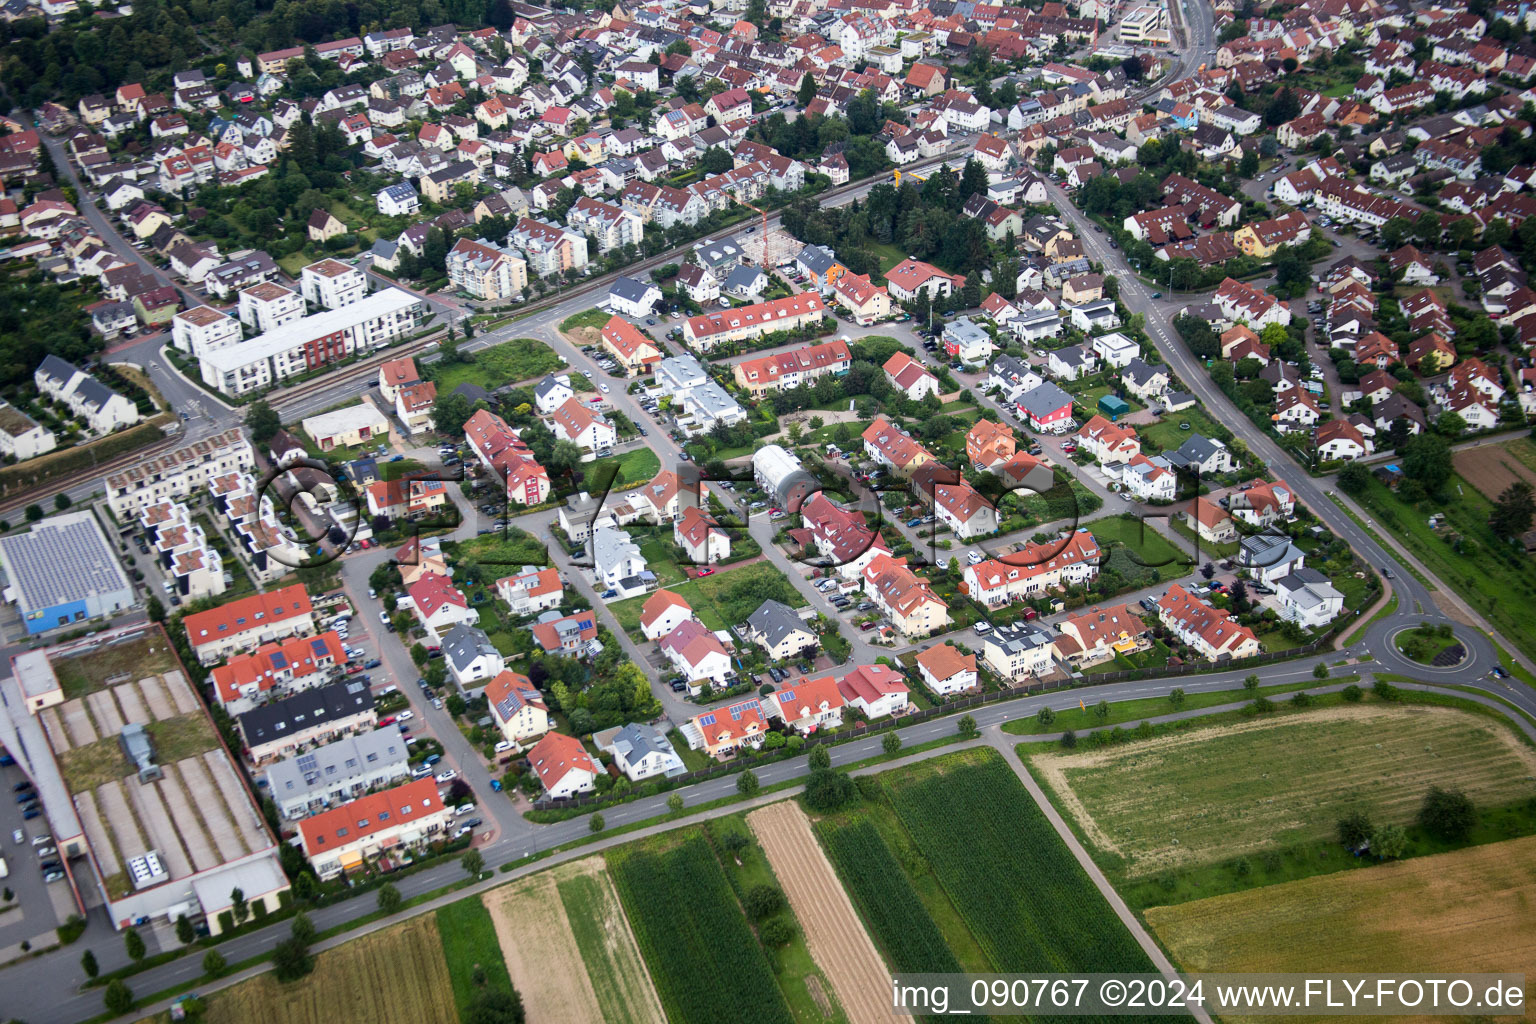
(542, 956)
(833, 932)
(1004, 744)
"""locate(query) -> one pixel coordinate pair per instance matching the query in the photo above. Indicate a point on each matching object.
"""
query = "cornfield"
(1029, 904)
(885, 899)
(707, 965)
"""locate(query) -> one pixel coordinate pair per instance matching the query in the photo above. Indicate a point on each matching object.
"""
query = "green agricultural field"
(706, 963)
(511, 362)
(891, 908)
(1028, 902)
(619, 980)
(469, 941)
(1206, 795)
(792, 965)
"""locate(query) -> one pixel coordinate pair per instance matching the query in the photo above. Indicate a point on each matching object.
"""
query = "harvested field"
(614, 966)
(1217, 793)
(1492, 468)
(1464, 911)
(535, 935)
(833, 932)
(395, 976)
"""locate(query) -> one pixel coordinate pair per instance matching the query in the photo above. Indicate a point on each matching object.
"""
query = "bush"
(71, 929)
(118, 997)
(1353, 693)
(494, 1006)
(214, 963)
(1386, 691)
(1354, 829)
(1069, 739)
(776, 932)
(763, 901)
(827, 790)
(967, 727)
(291, 960)
(1447, 814)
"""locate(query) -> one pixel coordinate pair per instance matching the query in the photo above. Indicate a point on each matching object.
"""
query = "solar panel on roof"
(708, 719)
(787, 695)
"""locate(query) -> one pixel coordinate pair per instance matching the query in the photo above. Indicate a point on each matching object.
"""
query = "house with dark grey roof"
(307, 718)
(552, 392)
(745, 282)
(640, 751)
(779, 630)
(1202, 454)
(471, 658)
(98, 406)
(633, 298)
(1144, 380)
(335, 772)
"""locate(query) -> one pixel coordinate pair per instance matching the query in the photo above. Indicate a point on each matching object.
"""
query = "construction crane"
(764, 227)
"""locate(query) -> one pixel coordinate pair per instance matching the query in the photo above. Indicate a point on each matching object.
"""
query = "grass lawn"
(469, 941)
(1194, 800)
(589, 318)
(1147, 547)
(508, 363)
(499, 553)
(636, 466)
(793, 967)
(1166, 430)
(1208, 551)
(889, 254)
(720, 600)
(1488, 573)
(1124, 711)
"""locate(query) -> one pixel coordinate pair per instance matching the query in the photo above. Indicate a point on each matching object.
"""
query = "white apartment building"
(333, 284)
(267, 306)
(177, 474)
(312, 342)
(203, 329)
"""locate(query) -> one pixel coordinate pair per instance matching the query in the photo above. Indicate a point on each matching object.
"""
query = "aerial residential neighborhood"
(689, 512)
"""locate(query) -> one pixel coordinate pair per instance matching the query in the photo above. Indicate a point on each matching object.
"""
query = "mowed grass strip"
(1468, 910)
(469, 941)
(395, 976)
(707, 965)
(1028, 902)
(1212, 794)
(614, 966)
